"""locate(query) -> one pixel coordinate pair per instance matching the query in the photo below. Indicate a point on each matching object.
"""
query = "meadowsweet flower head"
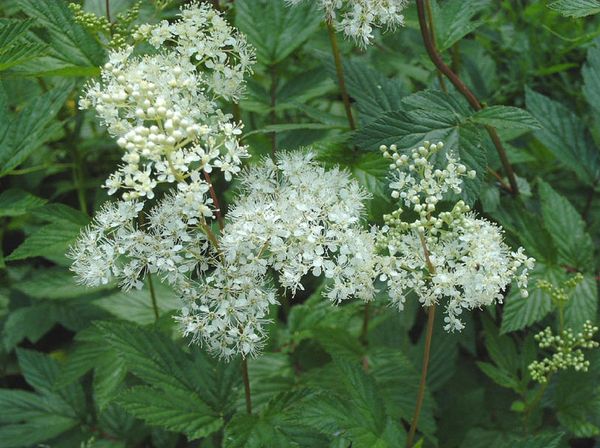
(163, 108)
(296, 218)
(357, 18)
(450, 256)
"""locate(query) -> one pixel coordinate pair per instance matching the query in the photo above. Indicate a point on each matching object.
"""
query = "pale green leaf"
(575, 8)
(454, 19)
(506, 117)
(274, 28)
(591, 76)
(172, 408)
(565, 135)
(14, 202)
(567, 229)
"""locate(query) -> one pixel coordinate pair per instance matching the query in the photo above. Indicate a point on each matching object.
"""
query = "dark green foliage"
(94, 367)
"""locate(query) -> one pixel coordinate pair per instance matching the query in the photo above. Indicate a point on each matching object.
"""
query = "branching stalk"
(464, 90)
(339, 69)
(246, 385)
(215, 200)
(426, 353)
(273, 113)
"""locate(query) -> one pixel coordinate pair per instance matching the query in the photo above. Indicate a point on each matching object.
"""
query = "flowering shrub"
(224, 227)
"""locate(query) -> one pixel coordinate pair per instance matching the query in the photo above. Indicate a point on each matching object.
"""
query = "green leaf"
(575, 8)
(565, 135)
(15, 48)
(501, 348)
(576, 396)
(539, 441)
(506, 117)
(32, 127)
(583, 303)
(51, 241)
(30, 322)
(454, 20)
(591, 76)
(434, 116)
(172, 408)
(567, 229)
(72, 48)
(499, 376)
(374, 93)
(136, 305)
(55, 283)
(357, 412)
(274, 28)
(520, 312)
(14, 202)
(277, 128)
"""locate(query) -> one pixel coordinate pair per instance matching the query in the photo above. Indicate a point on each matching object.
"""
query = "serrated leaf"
(539, 441)
(109, 375)
(506, 117)
(55, 283)
(433, 116)
(454, 20)
(15, 202)
(520, 312)
(51, 241)
(274, 28)
(566, 136)
(499, 376)
(172, 408)
(583, 303)
(136, 305)
(15, 48)
(591, 76)
(374, 93)
(567, 229)
(33, 126)
(28, 322)
(575, 8)
(72, 48)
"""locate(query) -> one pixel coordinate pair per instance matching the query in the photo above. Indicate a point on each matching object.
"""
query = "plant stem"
(153, 296)
(215, 200)
(107, 2)
(339, 69)
(465, 91)
(273, 114)
(365, 325)
(432, 32)
(77, 168)
(246, 385)
(423, 381)
(426, 352)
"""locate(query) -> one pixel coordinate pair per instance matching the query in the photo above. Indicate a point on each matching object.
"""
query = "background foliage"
(92, 367)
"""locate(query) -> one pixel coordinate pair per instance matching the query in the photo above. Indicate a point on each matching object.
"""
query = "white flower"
(162, 108)
(359, 17)
(468, 265)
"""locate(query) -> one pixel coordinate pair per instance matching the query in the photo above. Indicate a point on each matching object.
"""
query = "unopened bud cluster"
(115, 34)
(560, 294)
(568, 351)
(450, 256)
(358, 18)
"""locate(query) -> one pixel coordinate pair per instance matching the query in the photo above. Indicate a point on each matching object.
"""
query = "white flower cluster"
(163, 109)
(450, 255)
(359, 17)
(294, 217)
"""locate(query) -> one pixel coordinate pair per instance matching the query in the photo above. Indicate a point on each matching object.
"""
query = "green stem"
(77, 166)
(153, 296)
(364, 333)
(426, 352)
(339, 69)
(246, 386)
(273, 113)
